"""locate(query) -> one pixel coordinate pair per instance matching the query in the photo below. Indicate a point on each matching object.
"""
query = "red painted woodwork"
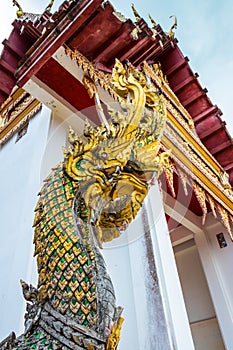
(58, 79)
(14, 49)
(60, 31)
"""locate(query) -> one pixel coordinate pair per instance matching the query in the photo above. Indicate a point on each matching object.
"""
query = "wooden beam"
(194, 97)
(209, 111)
(221, 147)
(184, 83)
(180, 64)
(211, 130)
(182, 214)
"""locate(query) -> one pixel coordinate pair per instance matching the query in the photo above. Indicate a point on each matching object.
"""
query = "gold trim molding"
(15, 112)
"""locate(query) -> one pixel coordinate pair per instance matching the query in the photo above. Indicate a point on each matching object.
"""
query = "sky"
(204, 33)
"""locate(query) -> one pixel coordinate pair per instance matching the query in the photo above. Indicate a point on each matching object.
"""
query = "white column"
(170, 287)
(217, 264)
(142, 266)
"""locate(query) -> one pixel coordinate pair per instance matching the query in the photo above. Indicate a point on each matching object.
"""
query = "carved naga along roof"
(100, 34)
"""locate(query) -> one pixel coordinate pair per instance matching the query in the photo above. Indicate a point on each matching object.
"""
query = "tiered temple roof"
(101, 34)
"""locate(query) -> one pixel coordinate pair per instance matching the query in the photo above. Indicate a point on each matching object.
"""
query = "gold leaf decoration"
(200, 195)
(225, 219)
(183, 177)
(212, 204)
(168, 172)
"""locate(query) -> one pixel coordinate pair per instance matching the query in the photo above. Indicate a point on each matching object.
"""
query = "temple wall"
(57, 138)
(217, 263)
(145, 277)
(199, 305)
(131, 265)
(196, 293)
(19, 185)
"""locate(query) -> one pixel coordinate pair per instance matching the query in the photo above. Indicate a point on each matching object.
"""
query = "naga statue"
(89, 199)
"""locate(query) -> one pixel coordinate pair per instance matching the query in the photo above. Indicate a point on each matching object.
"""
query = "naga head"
(116, 162)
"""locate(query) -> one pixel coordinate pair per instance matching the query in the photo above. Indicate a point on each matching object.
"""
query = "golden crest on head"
(118, 159)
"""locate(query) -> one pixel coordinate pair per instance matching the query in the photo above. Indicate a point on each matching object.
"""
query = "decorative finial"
(135, 12)
(49, 6)
(20, 12)
(154, 24)
(174, 26)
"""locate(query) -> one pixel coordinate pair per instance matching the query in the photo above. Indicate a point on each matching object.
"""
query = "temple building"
(171, 266)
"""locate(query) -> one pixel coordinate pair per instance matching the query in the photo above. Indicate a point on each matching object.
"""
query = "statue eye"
(104, 155)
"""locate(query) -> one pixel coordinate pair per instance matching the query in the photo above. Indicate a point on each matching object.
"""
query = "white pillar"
(217, 264)
(170, 287)
(143, 269)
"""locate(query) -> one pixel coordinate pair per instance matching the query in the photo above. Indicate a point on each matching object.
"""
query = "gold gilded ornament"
(20, 12)
(201, 197)
(115, 335)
